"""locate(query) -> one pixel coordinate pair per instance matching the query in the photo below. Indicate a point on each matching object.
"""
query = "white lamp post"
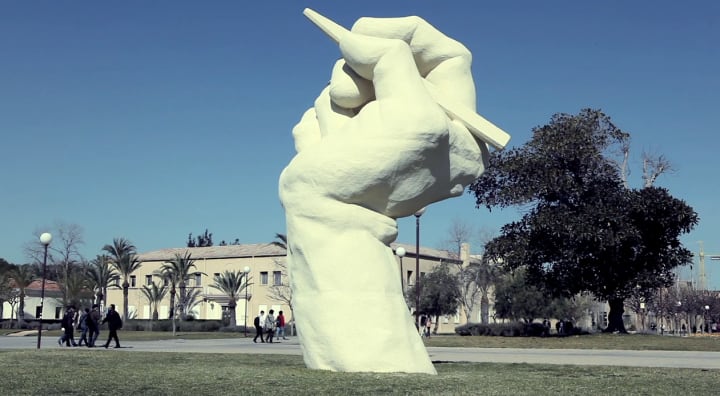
(707, 325)
(45, 239)
(247, 271)
(400, 252)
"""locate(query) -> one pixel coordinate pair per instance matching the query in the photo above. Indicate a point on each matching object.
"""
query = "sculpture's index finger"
(332, 29)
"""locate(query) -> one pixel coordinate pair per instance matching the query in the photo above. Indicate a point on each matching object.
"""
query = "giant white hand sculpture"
(375, 147)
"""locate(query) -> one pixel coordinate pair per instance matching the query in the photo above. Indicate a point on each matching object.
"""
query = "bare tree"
(475, 277)
(282, 292)
(653, 167)
(63, 252)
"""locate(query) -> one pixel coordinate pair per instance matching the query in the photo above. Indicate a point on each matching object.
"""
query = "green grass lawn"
(116, 372)
(81, 372)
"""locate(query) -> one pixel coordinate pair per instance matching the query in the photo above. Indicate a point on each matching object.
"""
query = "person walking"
(68, 323)
(428, 325)
(270, 326)
(281, 325)
(82, 323)
(259, 322)
(93, 323)
(114, 324)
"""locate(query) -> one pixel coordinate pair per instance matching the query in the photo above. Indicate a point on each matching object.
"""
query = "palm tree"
(281, 241)
(125, 261)
(177, 272)
(23, 275)
(231, 283)
(154, 294)
(102, 275)
(77, 288)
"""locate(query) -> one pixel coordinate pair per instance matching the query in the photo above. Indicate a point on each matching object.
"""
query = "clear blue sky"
(151, 120)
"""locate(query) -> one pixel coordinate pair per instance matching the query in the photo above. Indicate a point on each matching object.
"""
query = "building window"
(198, 279)
(277, 278)
(133, 281)
(117, 282)
(263, 278)
(38, 312)
(148, 280)
(410, 281)
(58, 312)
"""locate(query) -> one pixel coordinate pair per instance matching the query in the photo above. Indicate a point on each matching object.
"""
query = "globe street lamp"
(247, 271)
(417, 265)
(45, 239)
(400, 252)
(707, 325)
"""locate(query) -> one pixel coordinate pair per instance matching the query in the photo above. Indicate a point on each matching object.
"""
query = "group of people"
(89, 322)
(269, 326)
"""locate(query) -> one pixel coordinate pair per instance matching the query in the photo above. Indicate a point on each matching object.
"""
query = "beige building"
(268, 281)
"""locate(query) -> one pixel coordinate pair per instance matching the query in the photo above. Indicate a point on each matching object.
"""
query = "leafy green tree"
(5, 265)
(518, 300)
(202, 240)
(154, 294)
(23, 276)
(583, 230)
(6, 290)
(101, 275)
(439, 293)
(124, 260)
(232, 284)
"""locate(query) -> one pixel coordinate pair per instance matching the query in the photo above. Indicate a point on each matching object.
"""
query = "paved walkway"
(677, 359)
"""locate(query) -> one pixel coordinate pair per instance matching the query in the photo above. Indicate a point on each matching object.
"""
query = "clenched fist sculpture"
(377, 145)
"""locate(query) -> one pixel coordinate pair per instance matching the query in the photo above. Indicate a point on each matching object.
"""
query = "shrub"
(510, 329)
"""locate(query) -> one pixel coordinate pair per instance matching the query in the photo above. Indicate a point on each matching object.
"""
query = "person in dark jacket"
(82, 324)
(114, 324)
(68, 323)
(93, 323)
(259, 326)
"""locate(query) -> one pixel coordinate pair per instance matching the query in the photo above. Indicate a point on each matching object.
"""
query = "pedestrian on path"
(114, 324)
(259, 322)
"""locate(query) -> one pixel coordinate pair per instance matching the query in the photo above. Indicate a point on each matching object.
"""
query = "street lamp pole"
(247, 271)
(400, 252)
(705, 320)
(45, 239)
(417, 266)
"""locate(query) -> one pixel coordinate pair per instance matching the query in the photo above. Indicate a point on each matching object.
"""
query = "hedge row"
(512, 329)
(180, 325)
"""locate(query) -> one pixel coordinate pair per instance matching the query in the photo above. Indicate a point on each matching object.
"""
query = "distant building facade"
(268, 281)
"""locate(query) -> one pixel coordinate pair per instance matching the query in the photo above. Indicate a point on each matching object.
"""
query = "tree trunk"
(126, 286)
(98, 298)
(183, 303)
(233, 318)
(21, 309)
(484, 309)
(172, 304)
(615, 316)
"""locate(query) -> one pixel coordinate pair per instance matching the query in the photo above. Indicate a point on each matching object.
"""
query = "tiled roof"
(37, 285)
(215, 252)
(260, 250)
